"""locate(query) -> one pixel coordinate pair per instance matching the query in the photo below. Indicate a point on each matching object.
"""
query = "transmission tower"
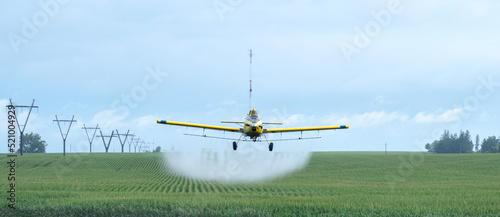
(25, 123)
(126, 135)
(130, 141)
(64, 136)
(147, 147)
(93, 136)
(137, 141)
(109, 142)
(153, 145)
(143, 143)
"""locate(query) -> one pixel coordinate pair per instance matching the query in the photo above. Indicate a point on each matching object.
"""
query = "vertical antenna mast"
(250, 99)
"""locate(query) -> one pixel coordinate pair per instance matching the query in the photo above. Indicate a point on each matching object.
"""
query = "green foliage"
(490, 145)
(452, 143)
(333, 184)
(33, 143)
(158, 149)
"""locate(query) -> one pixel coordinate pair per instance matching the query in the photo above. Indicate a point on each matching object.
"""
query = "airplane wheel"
(271, 146)
(235, 146)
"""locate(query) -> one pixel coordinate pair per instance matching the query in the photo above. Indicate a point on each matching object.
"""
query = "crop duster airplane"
(253, 127)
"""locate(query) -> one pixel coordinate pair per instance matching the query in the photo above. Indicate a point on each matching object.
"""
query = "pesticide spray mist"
(252, 162)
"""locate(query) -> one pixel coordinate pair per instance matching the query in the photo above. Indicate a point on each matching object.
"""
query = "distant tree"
(33, 143)
(465, 142)
(158, 149)
(462, 143)
(477, 142)
(428, 147)
(490, 145)
(452, 143)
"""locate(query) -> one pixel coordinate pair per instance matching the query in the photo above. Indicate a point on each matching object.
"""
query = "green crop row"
(339, 184)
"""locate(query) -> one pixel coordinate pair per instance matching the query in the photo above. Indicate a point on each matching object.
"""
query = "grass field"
(343, 184)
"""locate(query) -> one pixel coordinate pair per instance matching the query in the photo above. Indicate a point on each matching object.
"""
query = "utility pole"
(109, 142)
(138, 143)
(135, 141)
(93, 136)
(147, 146)
(25, 123)
(153, 145)
(126, 135)
(130, 141)
(64, 136)
(142, 145)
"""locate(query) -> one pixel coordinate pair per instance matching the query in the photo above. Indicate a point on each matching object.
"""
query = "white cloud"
(221, 104)
(381, 100)
(73, 105)
(3, 111)
(447, 116)
(290, 120)
(371, 119)
(368, 119)
(4, 102)
(145, 121)
(109, 119)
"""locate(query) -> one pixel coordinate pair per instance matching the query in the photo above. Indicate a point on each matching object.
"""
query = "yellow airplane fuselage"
(253, 130)
(253, 125)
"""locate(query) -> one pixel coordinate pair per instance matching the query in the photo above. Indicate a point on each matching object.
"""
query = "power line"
(130, 141)
(151, 143)
(142, 145)
(126, 135)
(64, 136)
(93, 136)
(25, 123)
(137, 141)
(109, 142)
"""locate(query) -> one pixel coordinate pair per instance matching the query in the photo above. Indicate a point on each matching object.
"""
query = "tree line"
(462, 143)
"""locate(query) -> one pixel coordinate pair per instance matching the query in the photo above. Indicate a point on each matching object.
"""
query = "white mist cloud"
(248, 164)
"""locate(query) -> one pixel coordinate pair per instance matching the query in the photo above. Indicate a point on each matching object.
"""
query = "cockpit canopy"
(253, 113)
(253, 117)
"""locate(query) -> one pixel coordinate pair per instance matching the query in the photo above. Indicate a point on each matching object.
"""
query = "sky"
(398, 72)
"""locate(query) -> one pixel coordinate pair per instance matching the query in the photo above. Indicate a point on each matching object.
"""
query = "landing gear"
(235, 144)
(270, 144)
